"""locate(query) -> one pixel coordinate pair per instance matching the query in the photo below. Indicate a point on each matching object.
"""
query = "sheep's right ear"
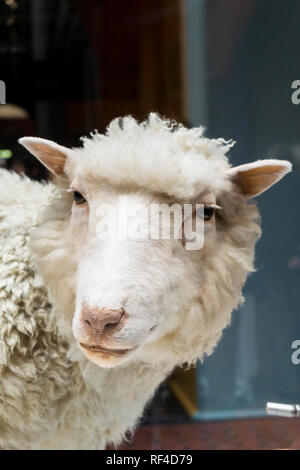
(50, 154)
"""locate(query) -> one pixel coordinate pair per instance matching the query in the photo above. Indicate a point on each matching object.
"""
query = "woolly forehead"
(178, 164)
(159, 156)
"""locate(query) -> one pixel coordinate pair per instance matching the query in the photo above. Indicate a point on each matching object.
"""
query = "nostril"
(110, 325)
(114, 320)
(87, 322)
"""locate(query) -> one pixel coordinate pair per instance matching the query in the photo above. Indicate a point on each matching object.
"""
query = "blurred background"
(71, 66)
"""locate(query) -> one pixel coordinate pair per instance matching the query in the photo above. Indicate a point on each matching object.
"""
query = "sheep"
(90, 326)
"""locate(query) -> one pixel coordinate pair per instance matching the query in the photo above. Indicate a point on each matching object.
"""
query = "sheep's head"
(153, 289)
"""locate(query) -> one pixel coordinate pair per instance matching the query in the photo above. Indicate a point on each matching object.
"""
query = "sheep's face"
(134, 275)
(131, 288)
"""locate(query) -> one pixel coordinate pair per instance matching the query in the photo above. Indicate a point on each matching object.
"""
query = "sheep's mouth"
(101, 349)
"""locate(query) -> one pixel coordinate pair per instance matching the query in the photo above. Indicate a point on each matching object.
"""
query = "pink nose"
(101, 321)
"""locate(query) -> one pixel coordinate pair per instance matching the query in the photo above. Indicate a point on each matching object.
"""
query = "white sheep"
(91, 325)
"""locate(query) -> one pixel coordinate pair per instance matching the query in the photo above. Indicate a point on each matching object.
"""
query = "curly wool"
(35, 373)
(157, 154)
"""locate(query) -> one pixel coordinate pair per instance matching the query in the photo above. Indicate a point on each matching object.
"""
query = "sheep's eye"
(78, 198)
(208, 212)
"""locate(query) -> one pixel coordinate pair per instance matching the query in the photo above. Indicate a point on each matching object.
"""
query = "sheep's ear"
(254, 178)
(50, 154)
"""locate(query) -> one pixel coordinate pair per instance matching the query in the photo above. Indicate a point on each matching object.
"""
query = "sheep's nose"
(101, 321)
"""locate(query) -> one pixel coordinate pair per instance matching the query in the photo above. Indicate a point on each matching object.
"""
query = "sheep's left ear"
(50, 154)
(254, 178)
